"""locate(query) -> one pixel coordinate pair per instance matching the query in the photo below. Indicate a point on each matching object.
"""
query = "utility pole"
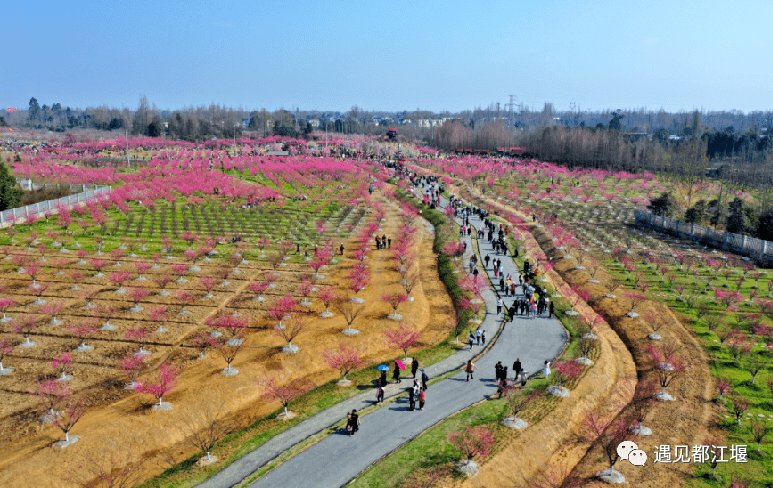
(128, 164)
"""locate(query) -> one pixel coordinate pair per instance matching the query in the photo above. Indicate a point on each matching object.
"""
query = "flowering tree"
(667, 365)
(404, 337)
(180, 270)
(359, 277)
(186, 298)
(281, 308)
(207, 283)
(278, 389)
(132, 365)
(472, 441)
(5, 304)
(345, 358)
(327, 295)
(141, 336)
(50, 394)
(636, 298)
(82, 329)
(739, 405)
(564, 371)
(608, 434)
(203, 340)
(160, 385)
(119, 279)
(137, 295)
(727, 298)
(305, 289)
(258, 287)
(98, 264)
(26, 324)
(394, 300)
(723, 387)
(517, 401)
(71, 412)
(6, 347)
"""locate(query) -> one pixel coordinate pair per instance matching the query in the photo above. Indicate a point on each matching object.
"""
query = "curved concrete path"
(337, 459)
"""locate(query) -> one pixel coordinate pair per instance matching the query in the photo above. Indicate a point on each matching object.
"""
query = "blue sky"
(389, 55)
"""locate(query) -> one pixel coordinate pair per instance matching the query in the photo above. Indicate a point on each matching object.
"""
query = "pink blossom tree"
(404, 337)
(344, 358)
(165, 380)
(471, 442)
(132, 365)
(327, 295)
(394, 300)
(207, 283)
(185, 298)
(83, 328)
(279, 389)
(359, 277)
(119, 279)
(72, 410)
(5, 304)
(258, 288)
(162, 280)
(50, 394)
(141, 336)
(281, 309)
(26, 324)
(142, 267)
(137, 295)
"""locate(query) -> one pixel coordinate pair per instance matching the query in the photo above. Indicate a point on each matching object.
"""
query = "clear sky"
(389, 55)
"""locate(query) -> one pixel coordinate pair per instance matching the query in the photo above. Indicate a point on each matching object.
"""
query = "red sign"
(11, 109)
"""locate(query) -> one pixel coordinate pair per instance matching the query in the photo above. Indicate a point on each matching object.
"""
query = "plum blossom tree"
(71, 412)
(359, 277)
(5, 304)
(165, 380)
(394, 300)
(278, 388)
(258, 287)
(50, 394)
(471, 442)
(327, 295)
(141, 336)
(132, 365)
(26, 324)
(82, 328)
(186, 298)
(404, 337)
(137, 295)
(119, 279)
(345, 358)
(281, 309)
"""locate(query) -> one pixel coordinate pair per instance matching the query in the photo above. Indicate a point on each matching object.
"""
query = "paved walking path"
(338, 458)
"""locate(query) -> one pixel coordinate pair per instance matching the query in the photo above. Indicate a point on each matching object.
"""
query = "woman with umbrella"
(383, 380)
(396, 372)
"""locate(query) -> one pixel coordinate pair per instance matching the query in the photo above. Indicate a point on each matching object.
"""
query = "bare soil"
(122, 418)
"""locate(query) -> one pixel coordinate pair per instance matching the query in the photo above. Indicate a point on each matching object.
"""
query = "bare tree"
(205, 423)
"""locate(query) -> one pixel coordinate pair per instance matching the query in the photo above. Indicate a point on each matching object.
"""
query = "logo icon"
(629, 451)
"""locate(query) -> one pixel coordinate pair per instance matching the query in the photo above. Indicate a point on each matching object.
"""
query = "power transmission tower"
(510, 107)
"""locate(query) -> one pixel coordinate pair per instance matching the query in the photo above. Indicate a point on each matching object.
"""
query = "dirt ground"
(125, 419)
(686, 421)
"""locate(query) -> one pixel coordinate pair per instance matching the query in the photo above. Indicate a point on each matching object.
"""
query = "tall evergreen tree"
(10, 191)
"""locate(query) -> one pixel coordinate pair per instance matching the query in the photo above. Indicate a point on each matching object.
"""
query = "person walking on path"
(414, 367)
(471, 340)
(396, 373)
(483, 337)
(550, 309)
(379, 394)
(411, 400)
(546, 370)
(424, 379)
(341, 249)
(499, 306)
(477, 334)
(486, 259)
(422, 399)
(383, 379)
(353, 422)
(517, 368)
(469, 369)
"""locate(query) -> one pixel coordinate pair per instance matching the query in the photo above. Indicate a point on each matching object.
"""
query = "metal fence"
(7, 217)
(738, 243)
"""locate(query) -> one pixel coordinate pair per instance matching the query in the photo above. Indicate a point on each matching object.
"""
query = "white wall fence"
(27, 185)
(10, 216)
(738, 243)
